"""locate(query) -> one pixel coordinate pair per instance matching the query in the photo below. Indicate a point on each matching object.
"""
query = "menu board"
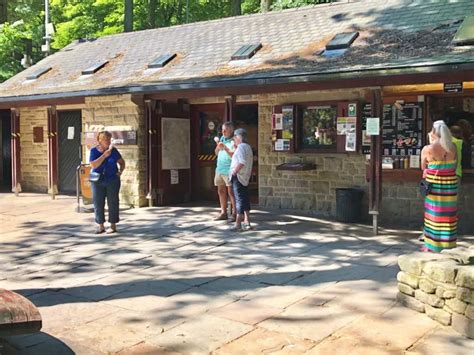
(402, 128)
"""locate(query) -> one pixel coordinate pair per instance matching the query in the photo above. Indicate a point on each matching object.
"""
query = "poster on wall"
(351, 142)
(174, 176)
(277, 120)
(346, 125)
(175, 151)
(287, 122)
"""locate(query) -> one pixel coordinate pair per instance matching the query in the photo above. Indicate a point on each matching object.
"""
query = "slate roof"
(393, 34)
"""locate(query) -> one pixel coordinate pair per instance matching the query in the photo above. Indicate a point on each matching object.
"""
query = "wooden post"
(229, 108)
(52, 152)
(152, 151)
(375, 187)
(16, 151)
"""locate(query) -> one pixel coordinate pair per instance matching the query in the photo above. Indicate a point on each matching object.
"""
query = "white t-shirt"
(243, 155)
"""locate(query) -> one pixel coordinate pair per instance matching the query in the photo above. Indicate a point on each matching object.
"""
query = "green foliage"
(75, 19)
(286, 4)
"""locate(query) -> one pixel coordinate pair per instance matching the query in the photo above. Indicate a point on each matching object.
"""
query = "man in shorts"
(224, 151)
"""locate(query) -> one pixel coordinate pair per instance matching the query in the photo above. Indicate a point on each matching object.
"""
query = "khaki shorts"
(221, 180)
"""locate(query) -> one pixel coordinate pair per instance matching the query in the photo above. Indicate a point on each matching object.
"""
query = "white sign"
(70, 133)
(414, 161)
(351, 142)
(174, 176)
(373, 126)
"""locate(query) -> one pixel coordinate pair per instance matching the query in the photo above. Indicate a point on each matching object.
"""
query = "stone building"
(302, 81)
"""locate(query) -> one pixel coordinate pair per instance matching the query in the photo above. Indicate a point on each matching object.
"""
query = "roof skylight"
(94, 68)
(38, 73)
(465, 34)
(342, 40)
(162, 60)
(246, 52)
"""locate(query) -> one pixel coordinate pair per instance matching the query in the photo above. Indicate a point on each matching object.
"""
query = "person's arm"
(121, 164)
(237, 168)
(424, 158)
(98, 162)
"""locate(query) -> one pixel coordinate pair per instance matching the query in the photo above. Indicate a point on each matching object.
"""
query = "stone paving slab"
(171, 281)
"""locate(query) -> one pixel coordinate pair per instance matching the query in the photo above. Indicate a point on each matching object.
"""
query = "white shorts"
(221, 180)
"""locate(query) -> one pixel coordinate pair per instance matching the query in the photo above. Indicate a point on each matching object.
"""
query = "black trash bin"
(349, 204)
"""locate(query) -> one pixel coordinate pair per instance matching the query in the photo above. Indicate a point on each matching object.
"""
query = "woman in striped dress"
(438, 161)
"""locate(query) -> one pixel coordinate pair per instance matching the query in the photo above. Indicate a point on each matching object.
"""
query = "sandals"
(234, 229)
(221, 217)
(112, 229)
(100, 230)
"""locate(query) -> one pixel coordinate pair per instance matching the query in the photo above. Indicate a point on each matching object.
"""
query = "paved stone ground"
(174, 281)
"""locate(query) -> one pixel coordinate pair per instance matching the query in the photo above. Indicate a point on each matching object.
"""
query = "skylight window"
(94, 68)
(465, 34)
(342, 40)
(162, 60)
(38, 73)
(246, 52)
(334, 53)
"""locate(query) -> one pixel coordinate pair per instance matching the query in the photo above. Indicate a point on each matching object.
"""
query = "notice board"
(176, 148)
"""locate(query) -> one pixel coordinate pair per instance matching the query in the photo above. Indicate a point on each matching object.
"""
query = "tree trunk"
(128, 21)
(152, 13)
(265, 5)
(236, 7)
(3, 11)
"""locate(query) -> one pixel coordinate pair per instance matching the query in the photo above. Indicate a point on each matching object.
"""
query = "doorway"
(69, 150)
(5, 151)
(246, 116)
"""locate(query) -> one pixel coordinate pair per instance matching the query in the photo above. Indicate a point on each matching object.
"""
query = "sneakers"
(234, 229)
(221, 217)
(247, 226)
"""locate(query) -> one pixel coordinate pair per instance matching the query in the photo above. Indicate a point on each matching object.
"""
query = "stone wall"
(313, 190)
(122, 112)
(402, 204)
(34, 156)
(442, 285)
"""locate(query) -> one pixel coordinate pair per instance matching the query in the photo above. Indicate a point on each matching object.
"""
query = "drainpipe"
(150, 158)
(52, 152)
(16, 150)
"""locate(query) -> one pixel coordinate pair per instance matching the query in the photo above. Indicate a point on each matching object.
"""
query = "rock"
(446, 291)
(462, 255)
(465, 276)
(408, 279)
(441, 270)
(469, 311)
(438, 315)
(465, 294)
(456, 306)
(430, 299)
(406, 289)
(410, 302)
(413, 263)
(427, 285)
(463, 325)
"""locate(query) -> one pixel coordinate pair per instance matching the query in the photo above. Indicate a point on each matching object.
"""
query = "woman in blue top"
(104, 159)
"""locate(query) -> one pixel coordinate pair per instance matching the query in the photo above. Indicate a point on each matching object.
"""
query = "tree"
(128, 16)
(152, 13)
(236, 7)
(265, 5)
(3, 11)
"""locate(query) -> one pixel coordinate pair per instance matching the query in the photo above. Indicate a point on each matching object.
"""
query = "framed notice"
(176, 147)
(174, 176)
(277, 121)
(373, 126)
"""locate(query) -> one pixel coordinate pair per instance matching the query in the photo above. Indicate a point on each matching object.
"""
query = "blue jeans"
(241, 193)
(106, 190)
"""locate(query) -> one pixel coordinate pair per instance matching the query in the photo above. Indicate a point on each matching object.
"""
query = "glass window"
(318, 127)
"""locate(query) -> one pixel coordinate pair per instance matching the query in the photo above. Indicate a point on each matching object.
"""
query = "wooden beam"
(375, 187)
(16, 151)
(52, 151)
(37, 103)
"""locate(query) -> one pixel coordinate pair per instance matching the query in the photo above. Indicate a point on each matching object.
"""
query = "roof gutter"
(293, 78)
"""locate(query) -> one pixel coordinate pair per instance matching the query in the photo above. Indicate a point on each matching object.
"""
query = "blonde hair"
(445, 138)
(103, 133)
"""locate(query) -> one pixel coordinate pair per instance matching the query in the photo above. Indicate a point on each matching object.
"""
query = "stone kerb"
(440, 285)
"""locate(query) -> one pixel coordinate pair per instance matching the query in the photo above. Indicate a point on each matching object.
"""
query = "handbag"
(425, 187)
(95, 177)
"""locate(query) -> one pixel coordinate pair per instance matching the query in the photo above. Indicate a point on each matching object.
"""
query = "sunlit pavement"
(174, 281)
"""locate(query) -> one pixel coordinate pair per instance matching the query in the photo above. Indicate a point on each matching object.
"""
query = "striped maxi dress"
(441, 219)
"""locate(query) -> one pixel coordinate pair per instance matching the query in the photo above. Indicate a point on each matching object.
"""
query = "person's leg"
(230, 191)
(238, 203)
(98, 198)
(113, 188)
(222, 193)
